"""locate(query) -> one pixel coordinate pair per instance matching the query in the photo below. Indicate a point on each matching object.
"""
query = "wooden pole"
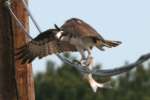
(7, 65)
(23, 71)
(11, 36)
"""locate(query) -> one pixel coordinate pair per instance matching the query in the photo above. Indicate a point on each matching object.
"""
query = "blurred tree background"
(66, 83)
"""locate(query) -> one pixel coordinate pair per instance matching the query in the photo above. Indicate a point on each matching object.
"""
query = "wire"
(110, 72)
(31, 16)
(8, 4)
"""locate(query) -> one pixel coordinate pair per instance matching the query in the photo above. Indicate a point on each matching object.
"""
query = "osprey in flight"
(74, 35)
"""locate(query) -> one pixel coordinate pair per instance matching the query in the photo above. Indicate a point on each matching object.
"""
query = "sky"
(124, 20)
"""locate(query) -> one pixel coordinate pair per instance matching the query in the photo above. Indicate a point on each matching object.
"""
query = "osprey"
(74, 35)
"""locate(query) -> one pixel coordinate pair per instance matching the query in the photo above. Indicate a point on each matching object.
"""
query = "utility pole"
(7, 63)
(12, 71)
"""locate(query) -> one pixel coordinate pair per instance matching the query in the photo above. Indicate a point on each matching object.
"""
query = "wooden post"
(12, 36)
(23, 72)
(7, 63)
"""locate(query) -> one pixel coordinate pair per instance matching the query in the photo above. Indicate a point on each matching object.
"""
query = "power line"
(8, 5)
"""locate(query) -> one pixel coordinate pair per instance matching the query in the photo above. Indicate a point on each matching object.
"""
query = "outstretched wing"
(43, 45)
(77, 27)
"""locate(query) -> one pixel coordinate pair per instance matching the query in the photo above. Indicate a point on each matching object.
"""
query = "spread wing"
(43, 45)
(46, 43)
(77, 27)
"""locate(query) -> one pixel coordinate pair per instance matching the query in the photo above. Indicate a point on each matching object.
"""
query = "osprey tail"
(109, 43)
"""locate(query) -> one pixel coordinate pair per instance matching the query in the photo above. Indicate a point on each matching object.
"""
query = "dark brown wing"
(77, 27)
(41, 46)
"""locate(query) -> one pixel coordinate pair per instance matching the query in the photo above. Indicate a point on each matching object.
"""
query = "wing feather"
(41, 46)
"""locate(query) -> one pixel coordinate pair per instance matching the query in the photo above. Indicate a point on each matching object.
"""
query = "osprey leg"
(90, 59)
(83, 58)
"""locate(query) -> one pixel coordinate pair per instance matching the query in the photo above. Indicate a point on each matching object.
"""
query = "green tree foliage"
(66, 83)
